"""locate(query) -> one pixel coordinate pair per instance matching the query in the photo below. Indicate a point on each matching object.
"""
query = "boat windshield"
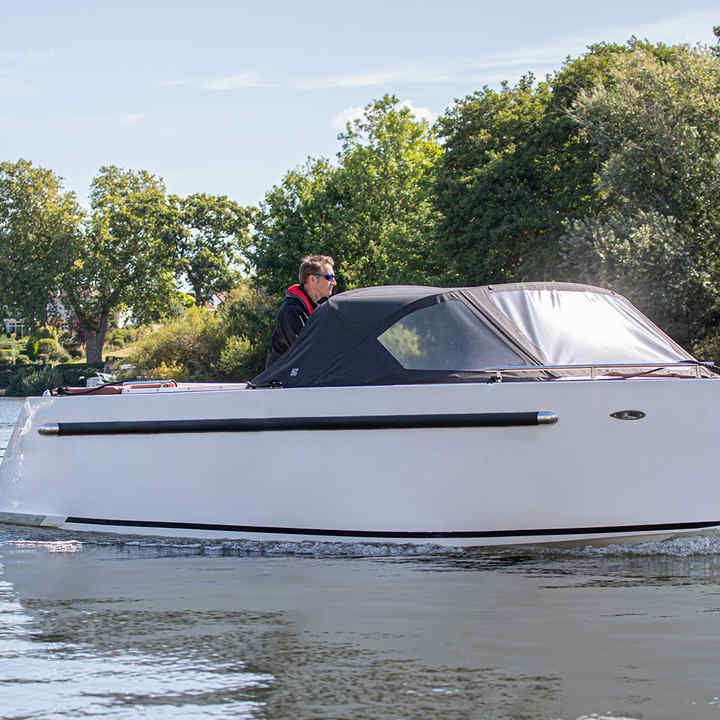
(575, 327)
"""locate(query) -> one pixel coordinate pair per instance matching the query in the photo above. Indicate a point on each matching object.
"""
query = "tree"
(657, 124)
(214, 230)
(515, 166)
(381, 197)
(369, 210)
(126, 255)
(294, 220)
(39, 224)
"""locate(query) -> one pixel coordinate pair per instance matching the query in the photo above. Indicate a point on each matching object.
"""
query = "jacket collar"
(298, 291)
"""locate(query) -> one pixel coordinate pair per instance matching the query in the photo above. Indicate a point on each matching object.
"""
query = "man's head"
(317, 276)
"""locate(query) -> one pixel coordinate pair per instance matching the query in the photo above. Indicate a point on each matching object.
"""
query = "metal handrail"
(593, 367)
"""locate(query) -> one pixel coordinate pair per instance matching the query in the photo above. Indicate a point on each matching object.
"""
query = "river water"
(100, 628)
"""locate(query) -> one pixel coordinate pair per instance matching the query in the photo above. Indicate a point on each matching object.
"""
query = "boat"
(467, 417)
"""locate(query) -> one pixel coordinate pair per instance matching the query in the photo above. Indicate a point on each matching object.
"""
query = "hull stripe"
(537, 532)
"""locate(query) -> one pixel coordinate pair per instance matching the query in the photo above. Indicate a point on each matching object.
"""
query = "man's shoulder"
(291, 302)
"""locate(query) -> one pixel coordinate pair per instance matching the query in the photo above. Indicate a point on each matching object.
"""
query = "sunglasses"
(328, 276)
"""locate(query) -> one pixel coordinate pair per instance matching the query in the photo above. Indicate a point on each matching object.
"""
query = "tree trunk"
(95, 340)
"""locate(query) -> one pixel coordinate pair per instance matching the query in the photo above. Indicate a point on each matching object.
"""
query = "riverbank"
(35, 378)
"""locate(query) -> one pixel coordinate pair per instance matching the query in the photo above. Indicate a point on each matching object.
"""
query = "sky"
(226, 97)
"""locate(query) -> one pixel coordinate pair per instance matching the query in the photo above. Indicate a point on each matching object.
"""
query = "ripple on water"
(136, 546)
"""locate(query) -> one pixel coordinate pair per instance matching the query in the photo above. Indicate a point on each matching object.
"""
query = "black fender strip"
(353, 422)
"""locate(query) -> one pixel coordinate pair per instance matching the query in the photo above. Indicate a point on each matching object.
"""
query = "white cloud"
(132, 118)
(221, 83)
(347, 115)
(27, 55)
(235, 82)
(15, 87)
(421, 113)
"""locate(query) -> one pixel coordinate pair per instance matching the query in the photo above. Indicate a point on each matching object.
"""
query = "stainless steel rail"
(594, 367)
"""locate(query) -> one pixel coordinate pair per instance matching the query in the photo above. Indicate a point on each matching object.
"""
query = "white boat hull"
(589, 477)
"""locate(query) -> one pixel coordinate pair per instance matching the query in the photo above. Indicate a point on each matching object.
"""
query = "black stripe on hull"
(352, 422)
(397, 535)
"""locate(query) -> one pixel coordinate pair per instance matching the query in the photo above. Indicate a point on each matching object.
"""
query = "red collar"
(297, 291)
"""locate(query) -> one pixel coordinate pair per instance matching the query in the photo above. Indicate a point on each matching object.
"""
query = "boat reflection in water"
(496, 415)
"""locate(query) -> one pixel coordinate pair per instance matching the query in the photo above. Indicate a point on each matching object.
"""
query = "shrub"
(237, 359)
(31, 348)
(46, 332)
(34, 381)
(249, 314)
(191, 345)
(6, 358)
(47, 346)
(120, 337)
(167, 372)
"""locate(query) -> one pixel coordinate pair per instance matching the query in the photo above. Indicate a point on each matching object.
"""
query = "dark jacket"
(291, 318)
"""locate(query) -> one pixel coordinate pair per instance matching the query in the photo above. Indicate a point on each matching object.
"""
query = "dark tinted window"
(446, 336)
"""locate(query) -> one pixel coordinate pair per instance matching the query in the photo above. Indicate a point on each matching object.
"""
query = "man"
(317, 281)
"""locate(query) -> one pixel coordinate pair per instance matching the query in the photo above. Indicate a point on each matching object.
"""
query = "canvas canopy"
(413, 334)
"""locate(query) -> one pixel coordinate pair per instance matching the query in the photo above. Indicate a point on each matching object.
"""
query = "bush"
(7, 357)
(47, 346)
(31, 348)
(33, 381)
(191, 345)
(237, 360)
(120, 337)
(247, 314)
(46, 332)
(166, 372)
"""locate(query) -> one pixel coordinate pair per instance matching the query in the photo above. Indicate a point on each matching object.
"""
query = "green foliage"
(370, 211)
(39, 223)
(213, 231)
(656, 236)
(229, 344)
(515, 165)
(35, 379)
(126, 255)
(191, 344)
(46, 331)
(31, 348)
(118, 338)
(48, 346)
(236, 359)
(246, 319)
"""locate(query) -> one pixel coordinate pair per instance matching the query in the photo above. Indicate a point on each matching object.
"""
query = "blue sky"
(226, 97)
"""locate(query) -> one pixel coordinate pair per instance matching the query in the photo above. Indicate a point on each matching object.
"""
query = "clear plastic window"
(446, 336)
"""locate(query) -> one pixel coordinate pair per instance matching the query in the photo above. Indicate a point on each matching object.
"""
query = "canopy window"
(446, 336)
(580, 325)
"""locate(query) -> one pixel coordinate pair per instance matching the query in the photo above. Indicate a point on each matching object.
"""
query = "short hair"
(313, 264)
